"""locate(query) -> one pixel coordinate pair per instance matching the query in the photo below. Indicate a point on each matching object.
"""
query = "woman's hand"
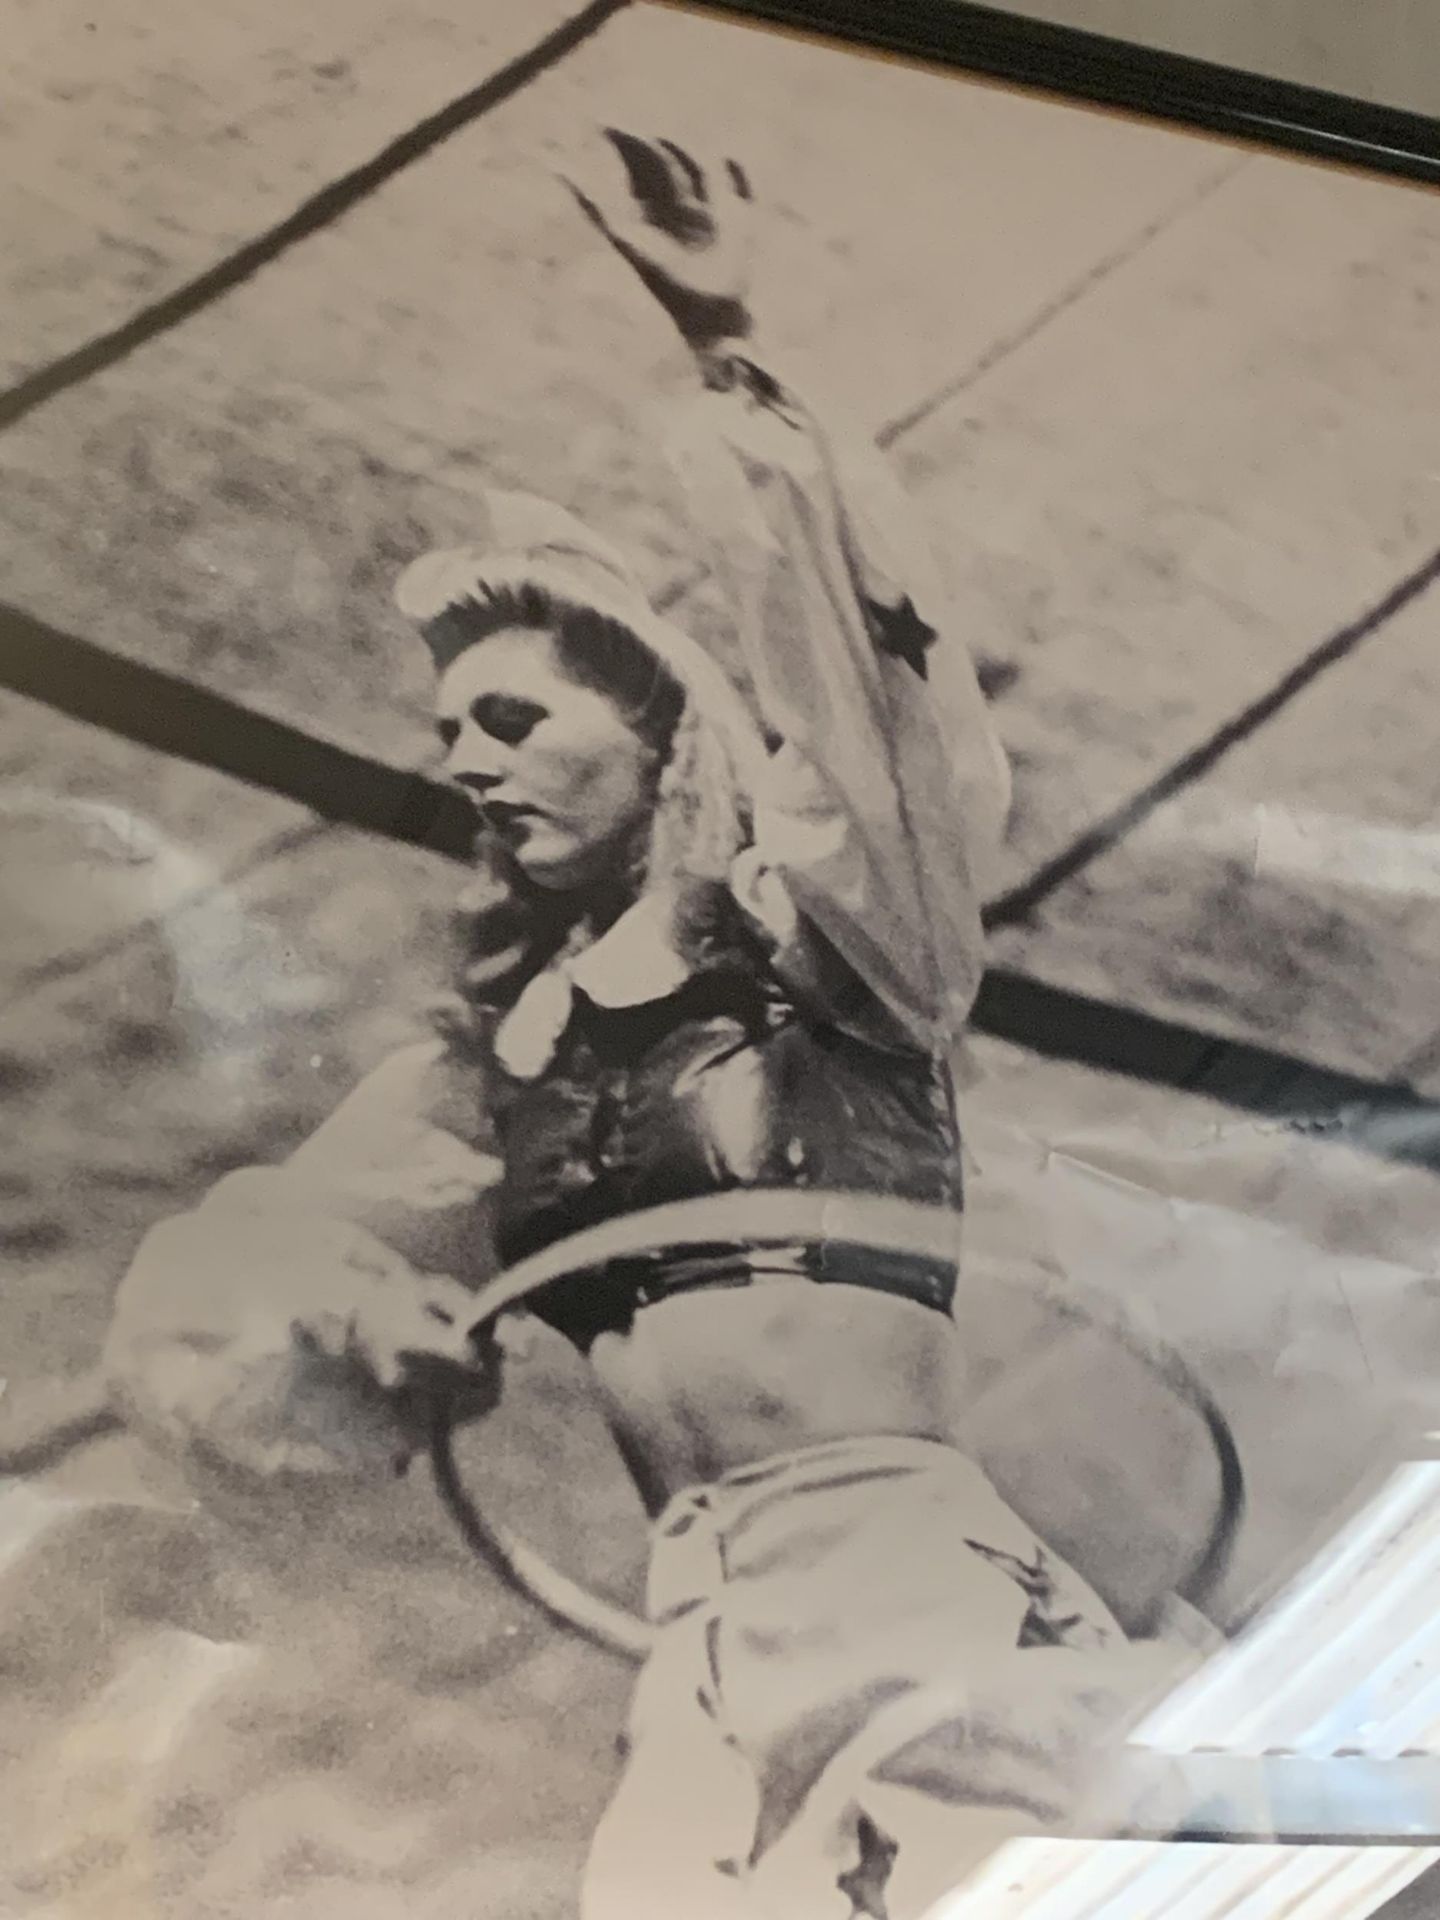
(408, 1335)
(279, 1340)
(685, 229)
(396, 1324)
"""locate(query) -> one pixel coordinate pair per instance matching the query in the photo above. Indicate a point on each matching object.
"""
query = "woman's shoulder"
(808, 967)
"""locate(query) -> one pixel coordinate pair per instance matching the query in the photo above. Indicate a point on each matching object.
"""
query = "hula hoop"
(782, 1217)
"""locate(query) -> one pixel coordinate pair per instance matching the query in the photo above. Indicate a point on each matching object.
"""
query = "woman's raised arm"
(887, 793)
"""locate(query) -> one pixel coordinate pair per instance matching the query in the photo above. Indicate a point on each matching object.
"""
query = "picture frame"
(1160, 412)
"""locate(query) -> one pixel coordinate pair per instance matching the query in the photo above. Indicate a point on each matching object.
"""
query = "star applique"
(900, 632)
(865, 1883)
(1044, 1625)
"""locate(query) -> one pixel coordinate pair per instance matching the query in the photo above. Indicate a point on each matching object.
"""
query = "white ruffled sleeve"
(888, 792)
(237, 1328)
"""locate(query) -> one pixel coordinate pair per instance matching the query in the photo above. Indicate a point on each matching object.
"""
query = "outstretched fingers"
(689, 166)
(681, 224)
(666, 184)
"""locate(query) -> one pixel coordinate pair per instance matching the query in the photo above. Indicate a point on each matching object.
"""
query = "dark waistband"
(605, 1300)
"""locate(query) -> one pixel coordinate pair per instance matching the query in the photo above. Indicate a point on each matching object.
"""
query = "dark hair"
(596, 650)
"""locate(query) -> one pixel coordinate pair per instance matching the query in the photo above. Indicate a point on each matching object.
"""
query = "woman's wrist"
(714, 326)
(740, 361)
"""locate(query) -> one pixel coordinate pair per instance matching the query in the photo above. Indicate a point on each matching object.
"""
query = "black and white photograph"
(720, 923)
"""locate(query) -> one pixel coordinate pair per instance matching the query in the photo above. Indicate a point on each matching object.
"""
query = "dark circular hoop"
(783, 1217)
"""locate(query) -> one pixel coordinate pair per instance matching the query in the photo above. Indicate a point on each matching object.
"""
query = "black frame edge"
(1117, 73)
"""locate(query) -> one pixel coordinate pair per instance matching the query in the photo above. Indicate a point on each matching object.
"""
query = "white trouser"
(868, 1674)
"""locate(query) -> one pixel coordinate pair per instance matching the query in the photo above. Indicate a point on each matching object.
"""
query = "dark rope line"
(320, 210)
(1021, 901)
(193, 723)
(1008, 344)
(1383, 1118)
(69, 962)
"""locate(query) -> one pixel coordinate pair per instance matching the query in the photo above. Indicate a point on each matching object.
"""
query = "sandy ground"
(1165, 407)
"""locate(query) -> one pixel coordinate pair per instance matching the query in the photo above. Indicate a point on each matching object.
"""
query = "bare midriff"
(708, 1381)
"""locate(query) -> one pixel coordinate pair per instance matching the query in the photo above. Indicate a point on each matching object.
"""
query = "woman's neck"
(621, 879)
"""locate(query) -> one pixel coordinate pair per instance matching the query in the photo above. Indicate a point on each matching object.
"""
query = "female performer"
(718, 941)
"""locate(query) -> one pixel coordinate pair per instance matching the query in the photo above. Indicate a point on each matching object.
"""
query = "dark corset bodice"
(719, 1085)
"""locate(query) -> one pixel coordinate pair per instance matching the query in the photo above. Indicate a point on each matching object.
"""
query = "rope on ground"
(1386, 1119)
(895, 429)
(322, 209)
(1020, 902)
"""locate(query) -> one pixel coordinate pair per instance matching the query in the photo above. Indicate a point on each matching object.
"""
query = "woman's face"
(559, 775)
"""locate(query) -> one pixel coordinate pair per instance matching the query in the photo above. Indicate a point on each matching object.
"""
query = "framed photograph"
(720, 1039)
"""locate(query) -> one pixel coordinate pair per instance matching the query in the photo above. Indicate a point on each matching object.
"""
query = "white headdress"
(529, 543)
